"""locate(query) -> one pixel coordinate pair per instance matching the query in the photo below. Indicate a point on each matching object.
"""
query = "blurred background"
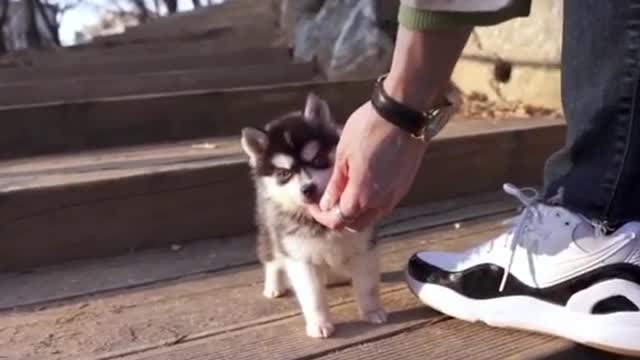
(509, 69)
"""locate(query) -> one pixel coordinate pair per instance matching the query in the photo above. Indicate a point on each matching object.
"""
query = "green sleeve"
(418, 19)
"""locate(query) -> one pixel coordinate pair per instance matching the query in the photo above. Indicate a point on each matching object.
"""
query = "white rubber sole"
(618, 333)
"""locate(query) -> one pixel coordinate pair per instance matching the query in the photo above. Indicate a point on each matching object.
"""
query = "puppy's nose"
(309, 190)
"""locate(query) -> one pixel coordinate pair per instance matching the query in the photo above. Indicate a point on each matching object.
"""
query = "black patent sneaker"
(552, 272)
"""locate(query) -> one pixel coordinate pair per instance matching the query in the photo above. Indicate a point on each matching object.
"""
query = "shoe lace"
(600, 228)
(531, 213)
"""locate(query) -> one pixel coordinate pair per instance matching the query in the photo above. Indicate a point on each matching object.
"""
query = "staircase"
(132, 142)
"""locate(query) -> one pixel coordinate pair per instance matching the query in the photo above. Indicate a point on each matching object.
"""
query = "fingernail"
(325, 203)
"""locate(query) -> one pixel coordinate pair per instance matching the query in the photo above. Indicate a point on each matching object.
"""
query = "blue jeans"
(597, 173)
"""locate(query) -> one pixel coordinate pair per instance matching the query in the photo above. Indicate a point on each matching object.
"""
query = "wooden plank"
(195, 308)
(285, 339)
(82, 125)
(80, 89)
(137, 52)
(465, 166)
(413, 332)
(55, 170)
(75, 66)
(228, 36)
(221, 21)
(228, 12)
(107, 164)
(118, 208)
(119, 215)
(93, 276)
(453, 339)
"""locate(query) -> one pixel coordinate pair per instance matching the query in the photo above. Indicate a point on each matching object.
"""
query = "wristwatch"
(422, 125)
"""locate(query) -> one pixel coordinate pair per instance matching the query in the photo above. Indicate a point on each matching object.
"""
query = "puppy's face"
(293, 157)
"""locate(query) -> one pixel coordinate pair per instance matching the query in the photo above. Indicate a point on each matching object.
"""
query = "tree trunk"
(52, 27)
(172, 6)
(143, 12)
(4, 11)
(33, 35)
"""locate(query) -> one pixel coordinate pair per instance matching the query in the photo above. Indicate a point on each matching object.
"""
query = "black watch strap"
(420, 124)
(396, 113)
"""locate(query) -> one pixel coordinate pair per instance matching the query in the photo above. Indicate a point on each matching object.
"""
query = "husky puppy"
(291, 161)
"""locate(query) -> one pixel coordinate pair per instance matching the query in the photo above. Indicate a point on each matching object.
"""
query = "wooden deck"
(204, 301)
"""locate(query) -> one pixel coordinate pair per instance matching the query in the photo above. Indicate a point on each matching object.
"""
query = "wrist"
(408, 90)
(422, 65)
(401, 137)
(422, 125)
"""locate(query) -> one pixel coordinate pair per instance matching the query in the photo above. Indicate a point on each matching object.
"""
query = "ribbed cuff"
(417, 19)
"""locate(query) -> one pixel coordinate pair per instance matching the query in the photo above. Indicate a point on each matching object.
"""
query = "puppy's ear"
(254, 143)
(316, 111)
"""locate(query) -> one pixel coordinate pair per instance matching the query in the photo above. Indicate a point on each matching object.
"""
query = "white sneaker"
(563, 277)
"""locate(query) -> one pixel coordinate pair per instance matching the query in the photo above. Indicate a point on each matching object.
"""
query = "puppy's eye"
(283, 174)
(319, 162)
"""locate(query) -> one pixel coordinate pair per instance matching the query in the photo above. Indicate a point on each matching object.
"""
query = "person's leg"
(557, 271)
(597, 174)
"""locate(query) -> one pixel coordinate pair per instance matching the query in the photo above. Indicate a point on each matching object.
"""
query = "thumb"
(335, 187)
(350, 199)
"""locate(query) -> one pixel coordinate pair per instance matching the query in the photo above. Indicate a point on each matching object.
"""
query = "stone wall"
(354, 39)
(533, 48)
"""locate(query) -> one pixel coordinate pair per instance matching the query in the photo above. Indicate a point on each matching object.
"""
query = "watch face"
(438, 119)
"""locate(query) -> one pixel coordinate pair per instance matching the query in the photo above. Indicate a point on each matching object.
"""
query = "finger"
(329, 219)
(335, 187)
(350, 203)
(364, 221)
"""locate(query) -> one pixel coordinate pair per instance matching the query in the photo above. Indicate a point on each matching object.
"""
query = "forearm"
(430, 41)
(422, 65)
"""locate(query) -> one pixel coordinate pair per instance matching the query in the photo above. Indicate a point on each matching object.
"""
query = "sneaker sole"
(603, 332)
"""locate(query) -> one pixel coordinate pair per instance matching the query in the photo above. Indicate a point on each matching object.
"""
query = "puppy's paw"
(320, 329)
(375, 316)
(272, 293)
(274, 288)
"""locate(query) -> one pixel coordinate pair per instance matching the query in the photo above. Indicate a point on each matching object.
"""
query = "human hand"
(376, 163)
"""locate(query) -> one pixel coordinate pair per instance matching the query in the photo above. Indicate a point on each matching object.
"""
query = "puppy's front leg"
(308, 284)
(365, 270)
(274, 282)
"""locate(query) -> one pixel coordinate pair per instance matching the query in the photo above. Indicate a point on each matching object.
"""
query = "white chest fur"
(332, 250)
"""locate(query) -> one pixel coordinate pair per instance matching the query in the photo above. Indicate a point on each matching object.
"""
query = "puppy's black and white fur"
(291, 161)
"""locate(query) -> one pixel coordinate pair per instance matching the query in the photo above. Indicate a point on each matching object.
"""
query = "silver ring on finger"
(342, 217)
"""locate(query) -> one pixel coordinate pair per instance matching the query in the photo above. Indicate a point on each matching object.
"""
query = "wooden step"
(73, 280)
(77, 66)
(229, 12)
(105, 86)
(139, 52)
(226, 37)
(133, 120)
(59, 208)
(233, 23)
(205, 302)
